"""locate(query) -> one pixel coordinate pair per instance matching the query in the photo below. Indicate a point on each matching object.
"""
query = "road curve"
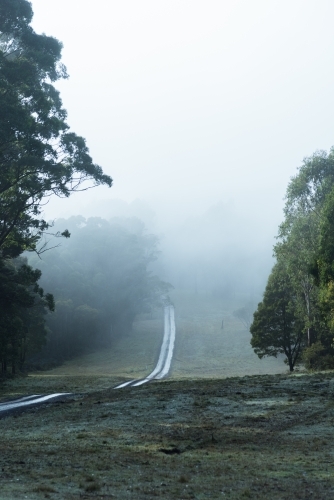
(166, 352)
(160, 371)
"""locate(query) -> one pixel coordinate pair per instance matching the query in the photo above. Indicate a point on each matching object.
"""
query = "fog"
(201, 112)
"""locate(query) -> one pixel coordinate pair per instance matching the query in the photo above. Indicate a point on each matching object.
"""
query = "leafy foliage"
(39, 155)
(305, 255)
(23, 306)
(276, 328)
(317, 357)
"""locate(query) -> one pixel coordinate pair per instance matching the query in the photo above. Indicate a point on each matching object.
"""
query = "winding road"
(166, 352)
(160, 371)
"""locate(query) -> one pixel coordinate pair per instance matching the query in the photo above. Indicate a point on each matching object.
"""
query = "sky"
(190, 103)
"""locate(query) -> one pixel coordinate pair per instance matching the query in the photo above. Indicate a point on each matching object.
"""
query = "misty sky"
(187, 103)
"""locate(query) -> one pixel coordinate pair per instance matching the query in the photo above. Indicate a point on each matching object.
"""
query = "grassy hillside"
(202, 348)
(132, 355)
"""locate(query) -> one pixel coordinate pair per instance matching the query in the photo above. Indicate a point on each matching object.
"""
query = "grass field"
(131, 356)
(260, 437)
(202, 348)
(204, 433)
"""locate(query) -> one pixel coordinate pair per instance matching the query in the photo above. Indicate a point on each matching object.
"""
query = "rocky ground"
(260, 437)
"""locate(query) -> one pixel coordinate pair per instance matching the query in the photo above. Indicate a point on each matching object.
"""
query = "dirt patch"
(253, 437)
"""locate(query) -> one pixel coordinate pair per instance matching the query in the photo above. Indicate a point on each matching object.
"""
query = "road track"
(25, 401)
(166, 352)
(160, 371)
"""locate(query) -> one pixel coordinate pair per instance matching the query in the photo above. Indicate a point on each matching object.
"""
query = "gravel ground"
(260, 437)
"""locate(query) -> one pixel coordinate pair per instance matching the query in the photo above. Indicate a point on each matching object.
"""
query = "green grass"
(131, 356)
(267, 437)
(201, 434)
(202, 348)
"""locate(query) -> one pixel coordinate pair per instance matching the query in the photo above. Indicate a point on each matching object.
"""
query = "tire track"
(160, 371)
(166, 352)
(34, 399)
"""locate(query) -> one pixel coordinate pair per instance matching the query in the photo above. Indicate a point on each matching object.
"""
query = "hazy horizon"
(193, 104)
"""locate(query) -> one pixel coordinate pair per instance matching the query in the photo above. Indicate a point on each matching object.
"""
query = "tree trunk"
(291, 364)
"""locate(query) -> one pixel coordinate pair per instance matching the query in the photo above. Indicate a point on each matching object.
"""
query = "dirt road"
(166, 352)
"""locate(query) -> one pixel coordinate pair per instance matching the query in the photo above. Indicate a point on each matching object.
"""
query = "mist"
(191, 105)
(201, 113)
(166, 248)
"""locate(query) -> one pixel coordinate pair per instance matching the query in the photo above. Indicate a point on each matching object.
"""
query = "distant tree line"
(296, 315)
(101, 281)
(39, 157)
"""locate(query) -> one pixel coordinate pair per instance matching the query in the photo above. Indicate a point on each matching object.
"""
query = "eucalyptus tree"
(292, 310)
(39, 155)
(323, 268)
(297, 249)
(299, 235)
(307, 191)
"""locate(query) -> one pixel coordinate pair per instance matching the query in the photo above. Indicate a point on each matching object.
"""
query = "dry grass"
(255, 437)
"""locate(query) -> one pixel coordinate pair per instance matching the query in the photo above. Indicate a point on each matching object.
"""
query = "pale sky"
(186, 103)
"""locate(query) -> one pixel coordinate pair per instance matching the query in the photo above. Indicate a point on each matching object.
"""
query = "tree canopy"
(276, 327)
(23, 306)
(39, 155)
(305, 258)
